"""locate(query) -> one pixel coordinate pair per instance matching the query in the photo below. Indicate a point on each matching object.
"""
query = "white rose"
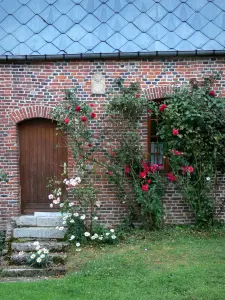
(36, 243)
(38, 260)
(42, 256)
(78, 180)
(92, 237)
(51, 205)
(95, 218)
(77, 244)
(50, 197)
(78, 249)
(71, 204)
(207, 178)
(113, 237)
(39, 251)
(76, 214)
(107, 234)
(82, 217)
(100, 237)
(72, 237)
(96, 235)
(37, 247)
(61, 204)
(112, 230)
(87, 233)
(45, 251)
(72, 221)
(32, 256)
(61, 228)
(67, 182)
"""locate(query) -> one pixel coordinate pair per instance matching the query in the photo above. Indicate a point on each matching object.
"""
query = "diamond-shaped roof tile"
(171, 40)
(76, 48)
(77, 13)
(21, 49)
(23, 33)
(185, 46)
(62, 42)
(48, 48)
(64, 6)
(197, 5)
(220, 3)
(130, 31)
(143, 22)
(211, 30)
(129, 47)
(210, 11)
(170, 5)
(63, 24)
(76, 33)
(23, 1)
(23, 14)
(10, 7)
(157, 31)
(117, 41)
(221, 38)
(103, 32)
(89, 23)
(10, 24)
(9, 42)
(89, 41)
(130, 12)
(3, 15)
(143, 5)
(213, 45)
(117, 22)
(2, 51)
(50, 14)
(103, 13)
(144, 41)
(90, 5)
(2, 33)
(183, 12)
(49, 33)
(117, 5)
(36, 24)
(37, 6)
(35, 42)
(197, 21)
(157, 46)
(157, 12)
(198, 40)
(184, 31)
(50, 1)
(170, 22)
(103, 48)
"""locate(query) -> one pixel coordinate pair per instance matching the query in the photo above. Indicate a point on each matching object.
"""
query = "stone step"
(38, 232)
(21, 259)
(47, 214)
(29, 246)
(27, 271)
(39, 220)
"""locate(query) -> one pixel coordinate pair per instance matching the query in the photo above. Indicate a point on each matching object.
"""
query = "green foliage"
(3, 176)
(2, 240)
(199, 143)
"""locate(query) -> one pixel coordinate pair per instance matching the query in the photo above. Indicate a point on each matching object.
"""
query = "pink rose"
(175, 131)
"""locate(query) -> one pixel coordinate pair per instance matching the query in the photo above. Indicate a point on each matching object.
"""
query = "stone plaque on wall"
(98, 84)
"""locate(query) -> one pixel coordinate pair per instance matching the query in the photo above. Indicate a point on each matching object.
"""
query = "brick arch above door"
(30, 112)
(158, 92)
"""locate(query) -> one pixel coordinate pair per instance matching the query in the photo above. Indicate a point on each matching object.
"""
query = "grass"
(173, 264)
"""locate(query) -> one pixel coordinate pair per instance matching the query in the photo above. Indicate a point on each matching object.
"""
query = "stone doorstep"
(20, 259)
(44, 221)
(29, 246)
(27, 271)
(38, 232)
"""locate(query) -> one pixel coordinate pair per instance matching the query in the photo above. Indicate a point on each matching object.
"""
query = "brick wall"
(29, 90)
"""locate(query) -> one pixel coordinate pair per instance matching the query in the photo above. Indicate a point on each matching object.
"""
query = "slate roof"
(105, 26)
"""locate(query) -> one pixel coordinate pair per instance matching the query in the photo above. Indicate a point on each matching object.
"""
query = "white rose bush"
(39, 258)
(79, 213)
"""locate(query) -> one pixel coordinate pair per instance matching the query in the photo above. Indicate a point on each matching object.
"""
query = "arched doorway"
(40, 159)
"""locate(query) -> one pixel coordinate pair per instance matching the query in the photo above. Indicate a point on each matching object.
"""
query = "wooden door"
(40, 160)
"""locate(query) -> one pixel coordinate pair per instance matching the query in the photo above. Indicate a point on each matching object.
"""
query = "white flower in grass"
(82, 217)
(72, 237)
(95, 218)
(50, 197)
(77, 244)
(71, 204)
(36, 243)
(78, 249)
(113, 237)
(37, 247)
(45, 251)
(87, 234)
(207, 178)
(61, 204)
(76, 214)
(39, 251)
(96, 235)
(112, 230)
(32, 256)
(100, 237)
(61, 228)
(39, 260)
(93, 237)
(72, 221)
(42, 256)
(107, 234)
(51, 205)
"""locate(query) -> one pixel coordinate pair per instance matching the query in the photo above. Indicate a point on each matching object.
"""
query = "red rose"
(142, 174)
(110, 173)
(66, 121)
(175, 131)
(149, 111)
(83, 119)
(77, 108)
(138, 95)
(91, 105)
(163, 107)
(190, 169)
(175, 152)
(154, 168)
(144, 187)
(127, 169)
(149, 181)
(171, 177)
(146, 168)
(93, 115)
(89, 145)
(212, 94)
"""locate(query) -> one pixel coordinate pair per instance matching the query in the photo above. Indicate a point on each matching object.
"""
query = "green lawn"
(171, 265)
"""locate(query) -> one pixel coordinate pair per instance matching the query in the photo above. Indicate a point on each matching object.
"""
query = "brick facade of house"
(30, 90)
